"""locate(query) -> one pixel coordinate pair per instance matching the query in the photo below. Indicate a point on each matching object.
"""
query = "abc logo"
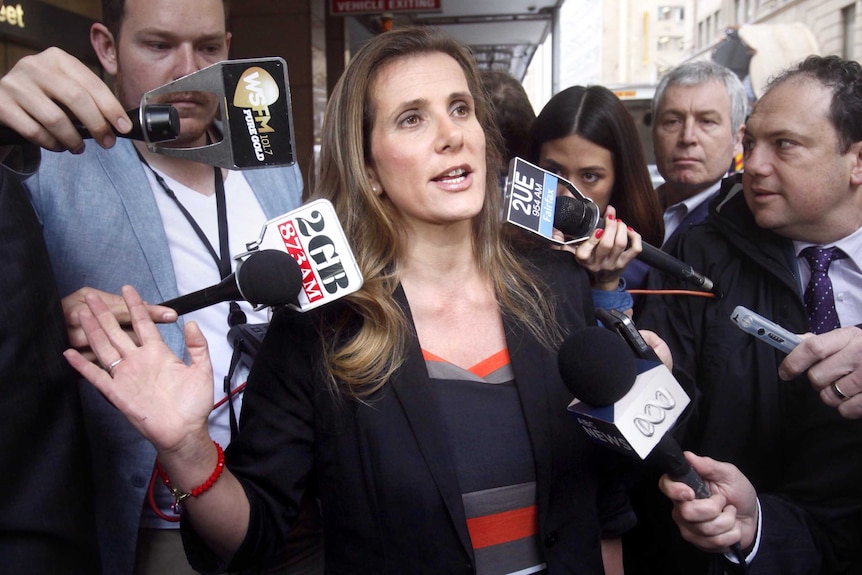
(654, 412)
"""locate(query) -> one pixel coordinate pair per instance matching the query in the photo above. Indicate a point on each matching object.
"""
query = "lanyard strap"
(222, 259)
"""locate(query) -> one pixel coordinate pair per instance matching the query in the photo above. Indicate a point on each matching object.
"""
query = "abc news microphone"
(625, 403)
(570, 215)
(266, 277)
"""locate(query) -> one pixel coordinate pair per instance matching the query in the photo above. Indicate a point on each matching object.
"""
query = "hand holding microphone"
(76, 301)
(719, 523)
(631, 405)
(42, 93)
(607, 252)
(266, 277)
(154, 123)
(570, 216)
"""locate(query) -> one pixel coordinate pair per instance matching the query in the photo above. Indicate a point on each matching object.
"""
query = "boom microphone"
(570, 216)
(266, 277)
(152, 123)
(625, 403)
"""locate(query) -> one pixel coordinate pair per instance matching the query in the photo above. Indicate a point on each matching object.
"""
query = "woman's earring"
(374, 188)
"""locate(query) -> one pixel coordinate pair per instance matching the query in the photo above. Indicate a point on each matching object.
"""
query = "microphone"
(625, 403)
(266, 277)
(599, 368)
(151, 123)
(571, 215)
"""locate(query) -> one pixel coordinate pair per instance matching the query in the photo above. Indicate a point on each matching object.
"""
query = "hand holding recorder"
(832, 361)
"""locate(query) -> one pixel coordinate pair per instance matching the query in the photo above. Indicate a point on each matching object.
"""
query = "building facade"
(609, 42)
(641, 39)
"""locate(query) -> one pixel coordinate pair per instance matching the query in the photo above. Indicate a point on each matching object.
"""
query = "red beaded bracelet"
(180, 496)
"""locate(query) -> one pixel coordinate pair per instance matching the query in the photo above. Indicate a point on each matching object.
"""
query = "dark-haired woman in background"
(587, 136)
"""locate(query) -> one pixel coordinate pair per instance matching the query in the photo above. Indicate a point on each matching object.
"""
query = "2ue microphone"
(571, 215)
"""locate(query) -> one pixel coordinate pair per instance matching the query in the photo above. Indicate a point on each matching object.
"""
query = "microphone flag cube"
(312, 235)
(253, 95)
(531, 197)
(639, 419)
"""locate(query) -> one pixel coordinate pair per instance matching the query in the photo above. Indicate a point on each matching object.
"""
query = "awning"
(503, 34)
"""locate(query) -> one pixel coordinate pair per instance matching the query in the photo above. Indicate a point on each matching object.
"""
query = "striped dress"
(488, 436)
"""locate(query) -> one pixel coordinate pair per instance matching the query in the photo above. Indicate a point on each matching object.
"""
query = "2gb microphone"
(266, 277)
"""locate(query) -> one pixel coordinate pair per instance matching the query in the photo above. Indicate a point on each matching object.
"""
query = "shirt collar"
(850, 245)
(692, 202)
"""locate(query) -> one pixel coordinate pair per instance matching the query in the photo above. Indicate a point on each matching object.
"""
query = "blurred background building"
(548, 44)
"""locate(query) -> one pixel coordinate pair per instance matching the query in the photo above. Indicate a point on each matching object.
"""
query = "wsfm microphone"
(266, 277)
(570, 216)
(624, 403)
(151, 123)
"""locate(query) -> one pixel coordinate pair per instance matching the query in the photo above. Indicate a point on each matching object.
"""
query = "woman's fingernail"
(599, 233)
(610, 216)
(629, 228)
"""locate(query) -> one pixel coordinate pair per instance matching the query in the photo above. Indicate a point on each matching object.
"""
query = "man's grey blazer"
(103, 230)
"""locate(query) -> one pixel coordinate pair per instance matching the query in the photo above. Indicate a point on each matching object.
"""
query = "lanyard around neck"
(221, 259)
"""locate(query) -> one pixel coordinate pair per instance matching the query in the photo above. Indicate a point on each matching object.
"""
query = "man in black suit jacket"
(47, 524)
(791, 497)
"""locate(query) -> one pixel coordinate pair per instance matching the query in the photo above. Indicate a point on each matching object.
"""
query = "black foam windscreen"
(597, 366)
(574, 217)
(269, 277)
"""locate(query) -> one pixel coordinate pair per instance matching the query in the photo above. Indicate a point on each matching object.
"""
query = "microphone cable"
(672, 292)
(736, 549)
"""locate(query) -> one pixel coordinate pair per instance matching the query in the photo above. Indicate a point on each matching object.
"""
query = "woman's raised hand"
(163, 398)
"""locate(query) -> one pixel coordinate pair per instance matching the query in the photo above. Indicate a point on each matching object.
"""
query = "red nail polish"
(631, 229)
(599, 233)
(610, 216)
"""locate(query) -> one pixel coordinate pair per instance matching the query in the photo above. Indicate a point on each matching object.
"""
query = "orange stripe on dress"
(481, 369)
(503, 527)
(491, 364)
(428, 356)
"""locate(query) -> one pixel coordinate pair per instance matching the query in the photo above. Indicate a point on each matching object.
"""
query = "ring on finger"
(114, 364)
(841, 395)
